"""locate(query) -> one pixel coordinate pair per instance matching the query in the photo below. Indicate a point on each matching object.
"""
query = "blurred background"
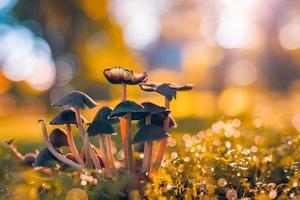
(243, 56)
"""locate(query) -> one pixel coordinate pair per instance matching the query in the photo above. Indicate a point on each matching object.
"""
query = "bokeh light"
(26, 57)
(289, 36)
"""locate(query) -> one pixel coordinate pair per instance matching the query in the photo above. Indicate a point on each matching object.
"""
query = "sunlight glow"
(26, 57)
(141, 31)
(236, 22)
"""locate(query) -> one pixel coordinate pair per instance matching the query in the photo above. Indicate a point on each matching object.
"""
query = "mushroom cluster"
(154, 122)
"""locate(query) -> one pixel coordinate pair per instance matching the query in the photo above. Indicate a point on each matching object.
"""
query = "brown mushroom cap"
(119, 75)
(58, 138)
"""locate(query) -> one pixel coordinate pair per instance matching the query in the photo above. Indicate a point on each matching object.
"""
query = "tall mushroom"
(147, 129)
(132, 111)
(68, 117)
(119, 75)
(169, 91)
(102, 126)
(78, 100)
(52, 149)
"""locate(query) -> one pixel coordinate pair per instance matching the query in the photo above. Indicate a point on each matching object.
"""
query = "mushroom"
(53, 151)
(147, 135)
(148, 144)
(27, 159)
(79, 100)
(119, 75)
(132, 111)
(68, 117)
(169, 91)
(58, 138)
(45, 159)
(102, 126)
(14, 149)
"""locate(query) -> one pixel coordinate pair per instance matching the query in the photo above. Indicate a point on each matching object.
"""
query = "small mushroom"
(169, 91)
(147, 135)
(45, 159)
(101, 126)
(27, 159)
(79, 100)
(119, 75)
(14, 149)
(68, 117)
(58, 138)
(53, 151)
(132, 111)
(153, 110)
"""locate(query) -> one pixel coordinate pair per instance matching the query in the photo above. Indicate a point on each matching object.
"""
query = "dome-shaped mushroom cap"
(158, 120)
(98, 127)
(76, 99)
(125, 107)
(66, 117)
(58, 138)
(103, 114)
(168, 90)
(28, 160)
(119, 75)
(149, 133)
(45, 159)
(155, 109)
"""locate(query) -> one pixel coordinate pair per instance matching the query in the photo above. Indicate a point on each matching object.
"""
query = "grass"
(222, 160)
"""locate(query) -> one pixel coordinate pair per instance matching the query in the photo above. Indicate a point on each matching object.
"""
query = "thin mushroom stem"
(163, 142)
(102, 151)
(72, 145)
(53, 151)
(94, 157)
(89, 153)
(110, 157)
(128, 142)
(16, 151)
(123, 125)
(79, 123)
(148, 149)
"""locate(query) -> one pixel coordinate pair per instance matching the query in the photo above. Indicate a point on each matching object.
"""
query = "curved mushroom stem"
(72, 145)
(163, 142)
(148, 149)
(14, 149)
(102, 151)
(53, 151)
(110, 157)
(123, 126)
(128, 143)
(89, 153)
